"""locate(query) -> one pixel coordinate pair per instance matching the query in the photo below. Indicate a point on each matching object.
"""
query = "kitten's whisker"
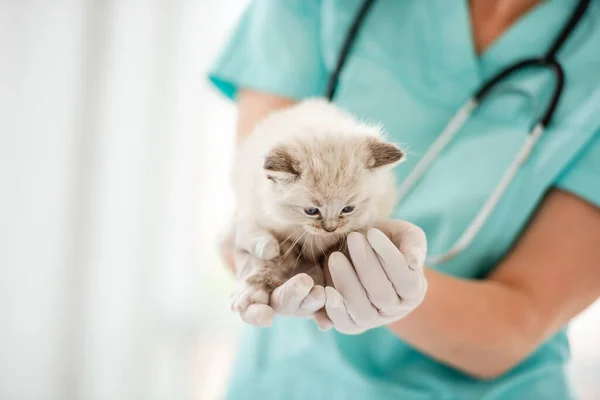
(321, 249)
(343, 243)
(292, 246)
(291, 234)
(287, 253)
(299, 255)
(312, 246)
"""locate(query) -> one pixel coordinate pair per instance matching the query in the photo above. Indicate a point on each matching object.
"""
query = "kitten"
(309, 175)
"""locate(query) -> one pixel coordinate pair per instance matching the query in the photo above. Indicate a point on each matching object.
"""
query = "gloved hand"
(383, 283)
(298, 297)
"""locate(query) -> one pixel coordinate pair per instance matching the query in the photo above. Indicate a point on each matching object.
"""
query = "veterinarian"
(519, 246)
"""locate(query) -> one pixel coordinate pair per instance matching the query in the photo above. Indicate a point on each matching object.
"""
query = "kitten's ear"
(382, 154)
(281, 166)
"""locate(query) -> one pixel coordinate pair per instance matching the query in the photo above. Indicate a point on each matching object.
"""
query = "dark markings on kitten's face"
(383, 153)
(280, 160)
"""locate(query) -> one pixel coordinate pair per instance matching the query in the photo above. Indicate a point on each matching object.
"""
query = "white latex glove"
(298, 297)
(383, 283)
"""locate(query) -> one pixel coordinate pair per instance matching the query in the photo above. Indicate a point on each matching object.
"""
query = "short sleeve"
(275, 48)
(582, 176)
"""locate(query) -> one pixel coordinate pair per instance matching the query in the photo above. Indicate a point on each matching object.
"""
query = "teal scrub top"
(412, 66)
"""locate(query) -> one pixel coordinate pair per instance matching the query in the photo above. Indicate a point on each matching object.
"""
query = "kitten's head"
(331, 184)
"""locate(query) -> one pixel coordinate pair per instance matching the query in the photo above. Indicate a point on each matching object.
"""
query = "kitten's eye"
(312, 211)
(347, 209)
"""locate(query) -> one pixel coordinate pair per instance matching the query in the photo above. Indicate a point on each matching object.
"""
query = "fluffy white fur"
(312, 155)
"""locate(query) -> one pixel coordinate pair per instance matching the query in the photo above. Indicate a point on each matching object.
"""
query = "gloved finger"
(314, 301)
(258, 242)
(258, 315)
(337, 313)
(371, 274)
(287, 298)
(407, 283)
(411, 241)
(349, 286)
(322, 320)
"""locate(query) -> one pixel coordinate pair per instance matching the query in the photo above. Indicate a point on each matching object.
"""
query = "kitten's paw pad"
(246, 295)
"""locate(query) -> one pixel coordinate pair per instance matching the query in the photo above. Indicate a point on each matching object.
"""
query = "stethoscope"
(459, 119)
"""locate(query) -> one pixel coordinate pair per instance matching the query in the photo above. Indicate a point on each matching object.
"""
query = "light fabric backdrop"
(114, 159)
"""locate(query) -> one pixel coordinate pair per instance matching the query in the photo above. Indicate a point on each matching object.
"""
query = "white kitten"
(309, 174)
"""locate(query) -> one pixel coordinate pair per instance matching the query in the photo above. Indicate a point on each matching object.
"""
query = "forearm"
(254, 106)
(486, 327)
(480, 327)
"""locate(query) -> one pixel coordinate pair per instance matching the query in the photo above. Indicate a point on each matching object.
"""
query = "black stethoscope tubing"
(548, 60)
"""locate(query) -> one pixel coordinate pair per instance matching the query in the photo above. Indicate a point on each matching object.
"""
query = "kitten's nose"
(330, 226)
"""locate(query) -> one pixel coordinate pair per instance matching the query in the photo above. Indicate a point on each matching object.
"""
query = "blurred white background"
(114, 159)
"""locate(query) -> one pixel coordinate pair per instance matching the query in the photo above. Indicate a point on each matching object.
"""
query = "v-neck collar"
(455, 52)
(529, 36)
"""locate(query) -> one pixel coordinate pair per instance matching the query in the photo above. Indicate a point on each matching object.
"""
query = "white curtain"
(113, 163)
(114, 159)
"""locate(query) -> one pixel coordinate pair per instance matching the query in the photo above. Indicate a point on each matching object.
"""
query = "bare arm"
(486, 327)
(254, 106)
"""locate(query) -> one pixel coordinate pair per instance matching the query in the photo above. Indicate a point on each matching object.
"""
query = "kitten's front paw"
(265, 247)
(247, 294)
